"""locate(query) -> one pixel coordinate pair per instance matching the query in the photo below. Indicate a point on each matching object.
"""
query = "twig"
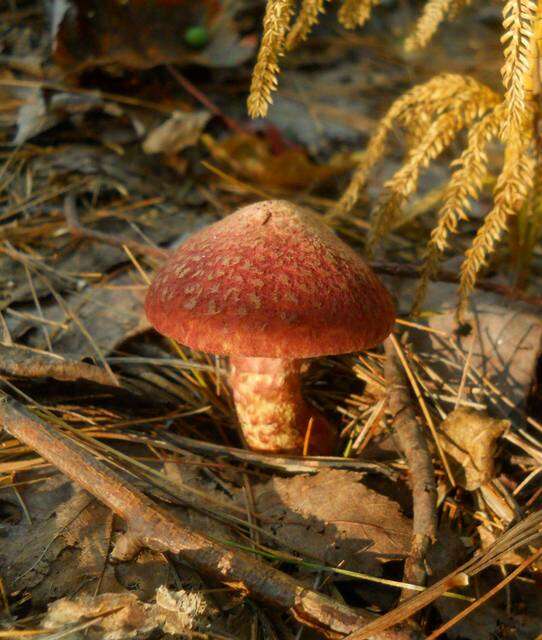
(413, 380)
(286, 464)
(413, 271)
(204, 100)
(412, 441)
(150, 526)
(27, 363)
(79, 231)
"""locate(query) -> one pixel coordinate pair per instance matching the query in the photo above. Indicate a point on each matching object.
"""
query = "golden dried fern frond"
(278, 37)
(305, 21)
(434, 12)
(405, 181)
(414, 110)
(512, 189)
(355, 13)
(450, 92)
(465, 185)
(276, 22)
(518, 24)
(472, 103)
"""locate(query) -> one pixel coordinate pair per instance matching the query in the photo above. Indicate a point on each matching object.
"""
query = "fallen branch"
(413, 443)
(414, 271)
(26, 363)
(152, 527)
(284, 464)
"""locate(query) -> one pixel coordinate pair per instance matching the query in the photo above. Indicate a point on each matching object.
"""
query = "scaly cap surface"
(270, 280)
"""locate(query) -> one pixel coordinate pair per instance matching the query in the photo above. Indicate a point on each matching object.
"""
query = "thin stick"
(150, 526)
(423, 406)
(24, 362)
(422, 476)
(285, 464)
(204, 100)
(412, 271)
(466, 369)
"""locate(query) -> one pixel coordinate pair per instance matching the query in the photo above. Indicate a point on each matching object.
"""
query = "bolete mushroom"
(267, 286)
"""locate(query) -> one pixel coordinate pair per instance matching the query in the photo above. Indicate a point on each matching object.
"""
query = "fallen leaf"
(33, 117)
(175, 612)
(333, 517)
(140, 34)
(252, 157)
(469, 437)
(110, 313)
(178, 132)
(505, 343)
(63, 550)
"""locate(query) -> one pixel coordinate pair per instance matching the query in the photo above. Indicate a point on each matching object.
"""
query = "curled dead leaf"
(253, 158)
(180, 131)
(122, 616)
(469, 437)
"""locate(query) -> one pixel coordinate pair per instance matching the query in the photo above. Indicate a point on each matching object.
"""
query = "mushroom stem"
(273, 414)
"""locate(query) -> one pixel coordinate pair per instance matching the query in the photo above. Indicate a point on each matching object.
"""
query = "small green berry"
(196, 36)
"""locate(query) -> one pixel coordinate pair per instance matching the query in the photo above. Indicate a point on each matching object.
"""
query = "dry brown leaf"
(110, 313)
(252, 158)
(469, 437)
(141, 34)
(505, 342)
(180, 131)
(63, 550)
(333, 517)
(38, 114)
(33, 117)
(174, 612)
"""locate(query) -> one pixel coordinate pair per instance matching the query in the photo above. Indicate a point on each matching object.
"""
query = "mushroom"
(268, 286)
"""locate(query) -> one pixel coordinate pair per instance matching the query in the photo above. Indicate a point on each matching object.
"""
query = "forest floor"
(118, 143)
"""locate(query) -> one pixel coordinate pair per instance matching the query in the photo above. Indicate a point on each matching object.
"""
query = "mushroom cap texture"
(270, 280)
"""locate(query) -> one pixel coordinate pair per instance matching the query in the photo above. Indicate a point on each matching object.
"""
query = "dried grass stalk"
(474, 101)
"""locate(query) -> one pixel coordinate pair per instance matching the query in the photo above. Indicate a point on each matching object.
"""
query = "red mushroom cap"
(270, 280)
